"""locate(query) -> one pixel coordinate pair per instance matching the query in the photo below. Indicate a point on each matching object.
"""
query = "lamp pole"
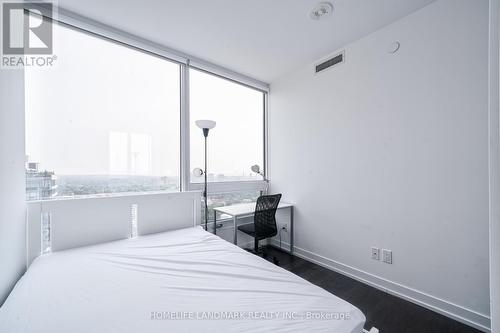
(205, 134)
(205, 125)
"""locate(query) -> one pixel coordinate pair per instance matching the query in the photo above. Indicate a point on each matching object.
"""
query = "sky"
(106, 109)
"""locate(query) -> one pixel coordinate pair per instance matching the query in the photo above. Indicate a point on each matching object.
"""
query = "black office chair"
(264, 222)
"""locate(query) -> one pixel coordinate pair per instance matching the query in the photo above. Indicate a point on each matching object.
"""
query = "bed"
(182, 280)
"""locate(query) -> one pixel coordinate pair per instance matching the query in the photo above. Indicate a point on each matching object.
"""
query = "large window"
(105, 119)
(237, 142)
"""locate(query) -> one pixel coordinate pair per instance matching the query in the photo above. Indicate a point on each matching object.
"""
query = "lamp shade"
(208, 124)
(255, 168)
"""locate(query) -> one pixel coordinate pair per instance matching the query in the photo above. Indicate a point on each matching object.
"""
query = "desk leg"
(235, 240)
(291, 230)
(215, 222)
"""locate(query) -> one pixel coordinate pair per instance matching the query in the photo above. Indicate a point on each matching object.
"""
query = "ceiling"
(263, 39)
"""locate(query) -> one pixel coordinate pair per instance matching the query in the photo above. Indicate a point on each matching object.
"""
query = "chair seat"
(248, 229)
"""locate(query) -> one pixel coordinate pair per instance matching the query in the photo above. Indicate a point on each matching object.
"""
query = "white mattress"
(180, 281)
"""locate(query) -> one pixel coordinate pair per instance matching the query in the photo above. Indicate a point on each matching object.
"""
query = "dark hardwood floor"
(388, 313)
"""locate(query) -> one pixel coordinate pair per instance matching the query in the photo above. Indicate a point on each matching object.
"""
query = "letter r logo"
(27, 28)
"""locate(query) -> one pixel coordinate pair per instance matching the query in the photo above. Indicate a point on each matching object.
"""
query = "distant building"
(39, 184)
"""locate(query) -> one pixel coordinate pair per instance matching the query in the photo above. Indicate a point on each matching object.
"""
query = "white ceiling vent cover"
(331, 62)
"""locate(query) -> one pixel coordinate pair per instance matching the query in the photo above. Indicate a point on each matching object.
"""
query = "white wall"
(392, 151)
(494, 166)
(12, 180)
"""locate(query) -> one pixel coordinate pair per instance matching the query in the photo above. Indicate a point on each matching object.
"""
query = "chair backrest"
(265, 216)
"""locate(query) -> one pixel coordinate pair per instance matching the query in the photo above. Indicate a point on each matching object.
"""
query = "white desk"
(246, 210)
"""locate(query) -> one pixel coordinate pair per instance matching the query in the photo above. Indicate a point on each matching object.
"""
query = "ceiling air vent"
(331, 62)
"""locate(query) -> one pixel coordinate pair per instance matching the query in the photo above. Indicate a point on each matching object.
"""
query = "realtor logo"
(27, 34)
(27, 28)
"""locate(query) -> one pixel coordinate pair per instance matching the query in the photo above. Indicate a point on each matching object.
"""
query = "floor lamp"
(206, 126)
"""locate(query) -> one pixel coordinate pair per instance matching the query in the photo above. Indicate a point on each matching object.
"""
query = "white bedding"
(180, 281)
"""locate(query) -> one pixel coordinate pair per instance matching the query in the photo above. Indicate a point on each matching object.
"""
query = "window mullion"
(184, 128)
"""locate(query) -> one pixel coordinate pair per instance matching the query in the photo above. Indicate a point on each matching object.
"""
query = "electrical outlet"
(387, 256)
(375, 253)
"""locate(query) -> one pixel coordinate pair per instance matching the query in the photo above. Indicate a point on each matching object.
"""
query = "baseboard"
(446, 308)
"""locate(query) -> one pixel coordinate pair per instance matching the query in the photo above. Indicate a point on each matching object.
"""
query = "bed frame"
(74, 222)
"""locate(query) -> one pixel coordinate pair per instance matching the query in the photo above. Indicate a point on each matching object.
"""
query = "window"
(105, 119)
(237, 142)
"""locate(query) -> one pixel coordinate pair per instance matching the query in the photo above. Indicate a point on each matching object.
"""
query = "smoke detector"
(321, 10)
